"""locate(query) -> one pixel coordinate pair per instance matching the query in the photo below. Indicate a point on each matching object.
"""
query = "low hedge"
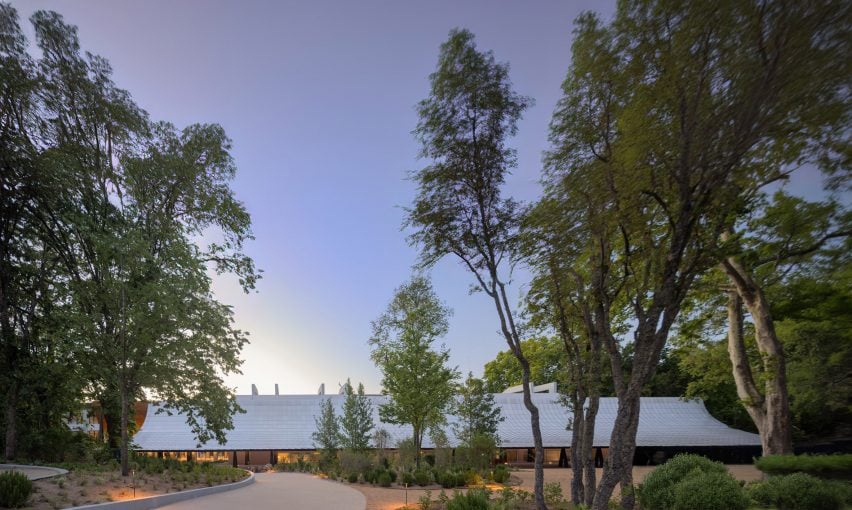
(799, 491)
(838, 466)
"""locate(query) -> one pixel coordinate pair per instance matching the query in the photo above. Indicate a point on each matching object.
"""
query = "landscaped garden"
(100, 482)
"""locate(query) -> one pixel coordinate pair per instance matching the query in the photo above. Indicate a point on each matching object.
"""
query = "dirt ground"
(88, 487)
(379, 498)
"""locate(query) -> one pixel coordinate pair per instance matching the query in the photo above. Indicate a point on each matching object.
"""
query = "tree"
(680, 114)
(356, 423)
(786, 232)
(115, 206)
(414, 374)
(546, 356)
(464, 124)
(477, 415)
(327, 434)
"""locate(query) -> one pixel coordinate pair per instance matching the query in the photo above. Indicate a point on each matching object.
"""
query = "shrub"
(798, 491)
(353, 462)
(501, 473)
(823, 466)
(657, 492)
(422, 477)
(843, 489)
(761, 493)
(472, 478)
(15, 489)
(553, 493)
(352, 478)
(392, 474)
(475, 499)
(407, 478)
(709, 491)
(384, 479)
(425, 501)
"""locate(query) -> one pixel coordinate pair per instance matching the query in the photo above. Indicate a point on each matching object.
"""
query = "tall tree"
(414, 374)
(464, 126)
(119, 203)
(476, 412)
(682, 112)
(327, 434)
(787, 232)
(356, 422)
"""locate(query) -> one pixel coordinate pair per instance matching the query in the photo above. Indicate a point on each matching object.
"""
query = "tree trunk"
(577, 459)
(770, 409)
(588, 449)
(11, 412)
(538, 486)
(619, 463)
(125, 436)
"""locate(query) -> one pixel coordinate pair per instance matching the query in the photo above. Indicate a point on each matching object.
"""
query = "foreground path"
(285, 491)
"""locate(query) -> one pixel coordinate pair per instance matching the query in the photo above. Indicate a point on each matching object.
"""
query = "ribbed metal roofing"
(286, 422)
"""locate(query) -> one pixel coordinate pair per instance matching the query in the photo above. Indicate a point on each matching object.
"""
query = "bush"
(384, 479)
(392, 474)
(657, 492)
(15, 489)
(472, 478)
(475, 499)
(837, 466)
(353, 462)
(798, 491)
(501, 473)
(352, 478)
(709, 491)
(422, 477)
(407, 478)
(553, 493)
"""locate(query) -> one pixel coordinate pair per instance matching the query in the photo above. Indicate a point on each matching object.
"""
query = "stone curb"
(167, 499)
(51, 471)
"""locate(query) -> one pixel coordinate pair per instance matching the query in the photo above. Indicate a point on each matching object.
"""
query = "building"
(278, 428)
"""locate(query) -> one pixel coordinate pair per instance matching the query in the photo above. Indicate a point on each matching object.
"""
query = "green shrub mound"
(352, 478)
(384, 479)
(15, 489)
(657, 492)
(475, 499)
(837, 466)
(799, 491)
(422, 477)
(709, 491)
(501, 473)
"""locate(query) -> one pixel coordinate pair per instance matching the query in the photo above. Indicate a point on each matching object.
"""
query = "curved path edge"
(34, 472)
(167, 499)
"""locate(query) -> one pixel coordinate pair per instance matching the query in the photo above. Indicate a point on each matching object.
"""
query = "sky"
(319, 99)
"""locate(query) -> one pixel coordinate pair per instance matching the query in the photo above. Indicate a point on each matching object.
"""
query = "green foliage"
(657, 492)
(501, 473)
(478, 417)
(547, 359)
(15, 489)
(474, 499)
(327, 435)
(356, 423)
(384, 479)
(553, 493)
(354, 462)
(414, 374)
(823, 466)
(352, 477)
(709, 491)
(798, 491)
(422, 477)
(478, 454)
(425, 501)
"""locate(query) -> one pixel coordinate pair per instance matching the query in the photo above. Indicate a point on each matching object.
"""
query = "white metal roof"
(286, 422)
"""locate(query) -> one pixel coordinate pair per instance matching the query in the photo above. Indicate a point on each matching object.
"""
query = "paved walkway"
(33, 472)
(285, 491)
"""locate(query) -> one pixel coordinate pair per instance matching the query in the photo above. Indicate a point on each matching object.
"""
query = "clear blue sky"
(319, 98)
